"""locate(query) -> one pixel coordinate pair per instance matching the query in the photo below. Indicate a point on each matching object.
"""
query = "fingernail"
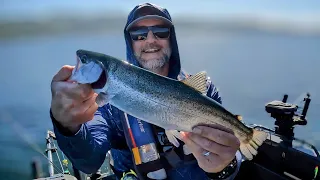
(184, 134)
(196, 130)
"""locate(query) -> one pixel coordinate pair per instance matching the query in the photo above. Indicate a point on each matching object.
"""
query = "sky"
(293, 10)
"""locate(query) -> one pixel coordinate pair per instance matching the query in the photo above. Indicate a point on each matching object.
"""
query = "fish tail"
(249, 148)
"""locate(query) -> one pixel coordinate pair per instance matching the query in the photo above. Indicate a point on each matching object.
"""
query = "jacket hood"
(148, 10)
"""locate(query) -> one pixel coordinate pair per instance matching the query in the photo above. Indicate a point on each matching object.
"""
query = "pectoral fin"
(173, 136)
(186, 150)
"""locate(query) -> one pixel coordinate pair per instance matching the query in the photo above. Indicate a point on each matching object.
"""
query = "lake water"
(249, 68)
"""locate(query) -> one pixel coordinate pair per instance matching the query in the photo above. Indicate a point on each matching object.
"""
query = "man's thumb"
(64, 73)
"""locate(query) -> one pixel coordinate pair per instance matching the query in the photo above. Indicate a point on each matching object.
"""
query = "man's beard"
(154, 64)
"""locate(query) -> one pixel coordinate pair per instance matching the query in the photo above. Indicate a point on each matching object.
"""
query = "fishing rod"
(51, 148)
(49, 153)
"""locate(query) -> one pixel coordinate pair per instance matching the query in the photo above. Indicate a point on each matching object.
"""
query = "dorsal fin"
(197, 81)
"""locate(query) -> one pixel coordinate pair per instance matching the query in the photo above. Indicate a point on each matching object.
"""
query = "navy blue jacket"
(88, 147)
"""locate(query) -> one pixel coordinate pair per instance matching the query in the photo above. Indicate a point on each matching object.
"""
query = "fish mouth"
(89, 71)
(101, 82)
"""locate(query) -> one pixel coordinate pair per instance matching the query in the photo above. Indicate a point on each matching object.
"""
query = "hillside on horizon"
(103, 22)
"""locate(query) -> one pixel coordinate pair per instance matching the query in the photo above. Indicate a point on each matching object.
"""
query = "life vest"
(152, 153)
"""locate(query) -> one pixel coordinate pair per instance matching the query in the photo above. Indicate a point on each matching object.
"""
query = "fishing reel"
(286, 115)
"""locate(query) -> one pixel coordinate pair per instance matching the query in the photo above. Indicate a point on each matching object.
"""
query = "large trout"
(159, 100)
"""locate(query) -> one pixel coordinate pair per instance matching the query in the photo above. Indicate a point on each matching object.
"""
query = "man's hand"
(72, 104)
(219, 141)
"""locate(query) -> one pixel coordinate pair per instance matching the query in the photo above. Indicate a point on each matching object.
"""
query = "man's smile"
(151, 50)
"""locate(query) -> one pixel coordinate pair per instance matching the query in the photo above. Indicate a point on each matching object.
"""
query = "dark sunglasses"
(141, 33)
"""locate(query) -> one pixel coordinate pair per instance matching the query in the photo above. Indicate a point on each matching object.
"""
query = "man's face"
(151, 52)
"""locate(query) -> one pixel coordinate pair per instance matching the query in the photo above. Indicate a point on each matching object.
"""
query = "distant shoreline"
(99, 24)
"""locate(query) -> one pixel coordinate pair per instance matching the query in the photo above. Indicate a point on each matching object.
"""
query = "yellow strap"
(136, 155)
(130, 172)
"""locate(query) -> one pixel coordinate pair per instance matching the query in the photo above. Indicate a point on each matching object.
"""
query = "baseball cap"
(148, 12)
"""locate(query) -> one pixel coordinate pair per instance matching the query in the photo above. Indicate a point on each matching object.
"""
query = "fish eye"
(84, 59)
